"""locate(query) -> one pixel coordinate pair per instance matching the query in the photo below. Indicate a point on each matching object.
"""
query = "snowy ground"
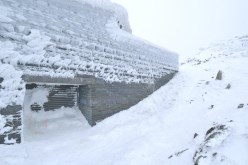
(159, 130)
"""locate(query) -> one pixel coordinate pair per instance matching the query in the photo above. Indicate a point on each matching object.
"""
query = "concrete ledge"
(58, 80)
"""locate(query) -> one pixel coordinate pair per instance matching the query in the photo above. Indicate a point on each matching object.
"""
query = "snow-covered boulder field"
(194, 119)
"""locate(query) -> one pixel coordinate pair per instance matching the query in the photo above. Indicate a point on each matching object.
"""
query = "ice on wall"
(11, 84)
(12, 88)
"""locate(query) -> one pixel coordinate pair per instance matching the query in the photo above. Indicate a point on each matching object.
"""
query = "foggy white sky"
(184, 26)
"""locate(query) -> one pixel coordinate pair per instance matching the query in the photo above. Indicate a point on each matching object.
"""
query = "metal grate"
(61, 95)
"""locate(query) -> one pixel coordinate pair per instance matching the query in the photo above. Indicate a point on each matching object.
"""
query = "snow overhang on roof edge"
(120, 11)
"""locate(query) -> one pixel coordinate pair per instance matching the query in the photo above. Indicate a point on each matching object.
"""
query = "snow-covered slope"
(194, 119)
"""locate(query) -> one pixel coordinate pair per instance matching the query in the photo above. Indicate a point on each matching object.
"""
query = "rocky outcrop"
(215, 136)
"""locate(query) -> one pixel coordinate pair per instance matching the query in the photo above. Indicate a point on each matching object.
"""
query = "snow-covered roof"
(69, 38)
(73, 38)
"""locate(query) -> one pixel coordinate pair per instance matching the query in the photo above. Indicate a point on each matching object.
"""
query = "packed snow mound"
(38, 125)
(62, 38)
(194, 119)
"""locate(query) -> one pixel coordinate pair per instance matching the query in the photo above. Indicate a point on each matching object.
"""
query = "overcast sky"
(186, 25)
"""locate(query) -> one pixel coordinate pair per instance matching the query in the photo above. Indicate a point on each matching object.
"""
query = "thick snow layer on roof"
(68, 38)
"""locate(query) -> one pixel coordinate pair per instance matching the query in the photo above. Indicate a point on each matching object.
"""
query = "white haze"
(185, 26)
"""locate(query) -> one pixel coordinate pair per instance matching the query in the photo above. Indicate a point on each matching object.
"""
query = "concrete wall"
(11, 133)
(163, 80)
(103, 99)
(84, 102)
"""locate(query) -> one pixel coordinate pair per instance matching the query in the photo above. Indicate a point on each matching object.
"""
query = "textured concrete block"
(104, 99)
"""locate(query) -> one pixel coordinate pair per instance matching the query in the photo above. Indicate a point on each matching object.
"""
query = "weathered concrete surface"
(84, 102)
(103, 99)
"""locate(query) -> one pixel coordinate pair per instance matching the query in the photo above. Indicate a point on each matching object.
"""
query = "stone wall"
(12, 130)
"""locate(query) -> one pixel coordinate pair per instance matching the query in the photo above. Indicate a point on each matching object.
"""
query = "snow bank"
(39, 125)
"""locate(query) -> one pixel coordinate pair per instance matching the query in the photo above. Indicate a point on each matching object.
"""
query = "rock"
(195, 135)
(219, 75)
(16, 136)
(207, 82)
(241, 106)
(215, 136)
(214, 154)
(211, 107)
(2, 139)
(1, 79)
(228, 86)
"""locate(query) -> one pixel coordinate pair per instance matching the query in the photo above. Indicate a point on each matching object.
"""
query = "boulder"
(241, 106)
(1, 79)
(228, 86)
(219, 75)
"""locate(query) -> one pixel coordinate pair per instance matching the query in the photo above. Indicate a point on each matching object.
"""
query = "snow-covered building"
(56, 53)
